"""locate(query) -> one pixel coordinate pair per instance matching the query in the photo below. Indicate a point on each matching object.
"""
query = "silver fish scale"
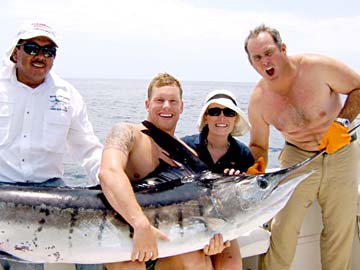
(184, 215)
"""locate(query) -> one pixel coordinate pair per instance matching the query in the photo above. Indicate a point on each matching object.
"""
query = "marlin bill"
(76, 225)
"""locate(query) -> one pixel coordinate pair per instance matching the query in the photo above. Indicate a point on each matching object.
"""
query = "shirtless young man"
(300, 96)
(130, 155)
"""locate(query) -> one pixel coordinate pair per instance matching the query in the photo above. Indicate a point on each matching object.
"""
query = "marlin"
(188, 203)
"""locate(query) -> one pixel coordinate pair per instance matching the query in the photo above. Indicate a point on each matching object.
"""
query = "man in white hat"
(41, 116)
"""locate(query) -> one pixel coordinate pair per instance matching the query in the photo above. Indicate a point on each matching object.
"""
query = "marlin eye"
(262, 182)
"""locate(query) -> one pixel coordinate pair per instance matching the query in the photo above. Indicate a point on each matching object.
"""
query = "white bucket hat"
(228, 100)
(30, 30)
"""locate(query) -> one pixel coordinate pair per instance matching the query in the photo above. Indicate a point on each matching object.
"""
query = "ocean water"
(111, 101)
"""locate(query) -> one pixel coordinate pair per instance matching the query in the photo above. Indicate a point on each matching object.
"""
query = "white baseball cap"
(30, 30)
(228, 100)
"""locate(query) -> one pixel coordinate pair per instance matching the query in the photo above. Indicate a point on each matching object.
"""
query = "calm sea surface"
(113, 101)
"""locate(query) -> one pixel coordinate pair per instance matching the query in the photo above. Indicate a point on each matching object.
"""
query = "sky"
(194, 40)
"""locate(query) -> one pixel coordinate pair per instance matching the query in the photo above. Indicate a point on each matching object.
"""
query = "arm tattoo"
(120, 137)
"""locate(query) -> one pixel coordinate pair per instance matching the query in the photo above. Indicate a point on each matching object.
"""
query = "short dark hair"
(163, 79)
(263, 28)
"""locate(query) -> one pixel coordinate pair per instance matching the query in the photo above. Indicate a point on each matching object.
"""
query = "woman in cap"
(221, 119)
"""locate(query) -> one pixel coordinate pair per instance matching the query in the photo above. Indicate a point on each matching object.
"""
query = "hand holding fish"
(336, 137)
(216, 245)
(258, 167)
(145, 246)
(228, 171)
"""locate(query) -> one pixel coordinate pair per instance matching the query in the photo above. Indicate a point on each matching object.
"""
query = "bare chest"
(306, 106)
(144, 159)
(287, 113)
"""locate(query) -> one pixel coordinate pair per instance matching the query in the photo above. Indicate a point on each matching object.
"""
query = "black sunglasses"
(32, 48)
(217, 111)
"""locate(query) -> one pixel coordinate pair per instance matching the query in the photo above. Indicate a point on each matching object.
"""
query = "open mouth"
(270, 71)
(222, 125)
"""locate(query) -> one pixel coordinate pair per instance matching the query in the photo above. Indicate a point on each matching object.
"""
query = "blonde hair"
(163, 79)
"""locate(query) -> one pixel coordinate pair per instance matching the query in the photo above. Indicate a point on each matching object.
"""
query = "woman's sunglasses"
(217, 111)
(33, 49)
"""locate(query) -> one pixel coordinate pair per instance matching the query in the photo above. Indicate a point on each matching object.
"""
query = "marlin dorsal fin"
(175, 149)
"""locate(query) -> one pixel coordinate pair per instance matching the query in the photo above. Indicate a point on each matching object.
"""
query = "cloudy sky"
(198, 40)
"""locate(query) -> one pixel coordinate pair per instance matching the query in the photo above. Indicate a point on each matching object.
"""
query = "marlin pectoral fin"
(156, 184)
(176, 150)
(164, 177)
(7, 257)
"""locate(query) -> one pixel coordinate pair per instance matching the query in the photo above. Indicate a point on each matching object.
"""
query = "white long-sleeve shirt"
(38, 126)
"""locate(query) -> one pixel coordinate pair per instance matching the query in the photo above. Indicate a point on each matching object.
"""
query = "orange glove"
(258, 167)
(336, 137)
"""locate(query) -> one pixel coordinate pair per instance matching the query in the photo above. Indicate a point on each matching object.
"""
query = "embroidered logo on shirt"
(59, 103)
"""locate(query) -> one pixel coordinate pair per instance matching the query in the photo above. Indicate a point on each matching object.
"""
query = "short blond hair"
(163, 79)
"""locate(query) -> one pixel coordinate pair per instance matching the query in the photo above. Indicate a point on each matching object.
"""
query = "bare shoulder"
(122, 136)
(257, 95)
(318, 61)
(310, 58)
(259, 101)
(339, 76)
